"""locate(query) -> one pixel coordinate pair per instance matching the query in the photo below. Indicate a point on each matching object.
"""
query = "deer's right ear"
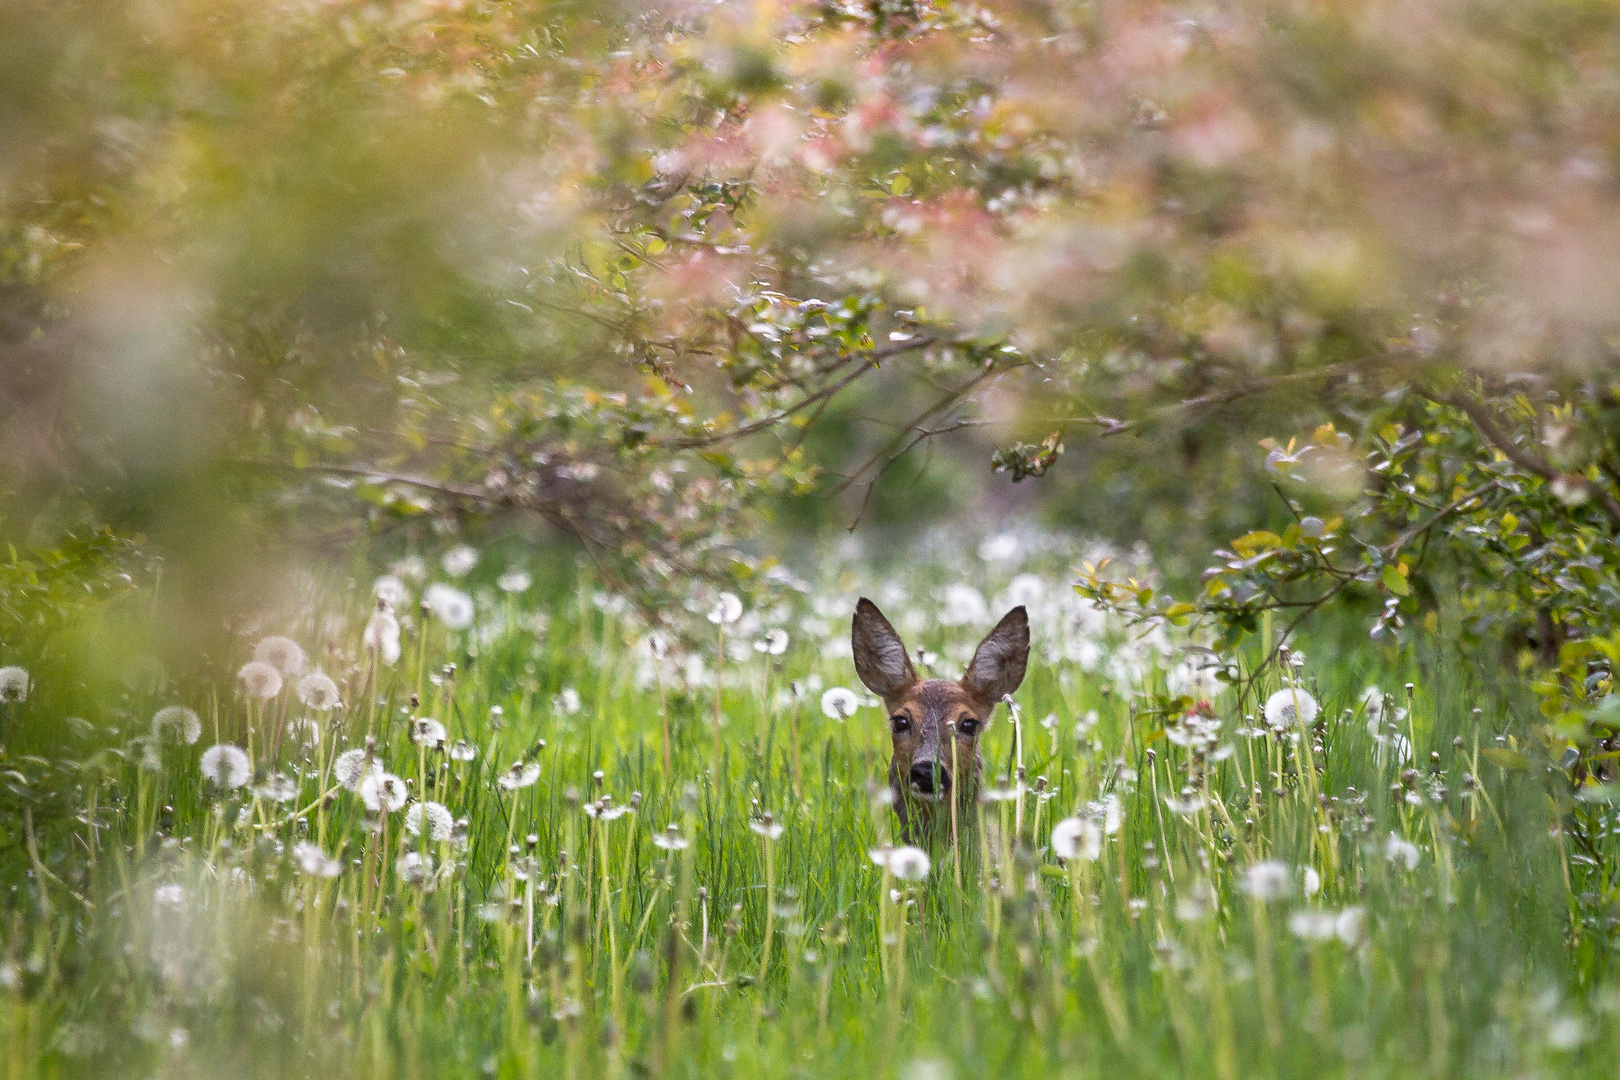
(880, 655)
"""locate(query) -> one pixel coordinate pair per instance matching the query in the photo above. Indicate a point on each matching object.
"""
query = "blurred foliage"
(646, 276)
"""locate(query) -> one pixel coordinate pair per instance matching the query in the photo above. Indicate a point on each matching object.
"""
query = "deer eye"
(900, 722)
(968, 725)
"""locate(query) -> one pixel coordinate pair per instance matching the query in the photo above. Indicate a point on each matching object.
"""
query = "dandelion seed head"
(414, 868)
(1289, 707)
(449, 605)
(463, 751)
(440, 824)
(177, 721)
(839, 703)
(227, 766)
(1350, 925)
(459, 560)
(566, 701)
(353, 766)
(282, 653)
(1313, 924)
(909, 863)
(767, 826)
(774, 643)
(514, 581)
(260, 679)
(521, 775)
(382, 637)
(277, 787)
(391, 591)
(727, 610)
(428, 732)
(1077, 838)
(1402, 853)
(317, 691)
(1268, 880)
(383, 792)
(313, 861)
(671, 839)
(14, 684)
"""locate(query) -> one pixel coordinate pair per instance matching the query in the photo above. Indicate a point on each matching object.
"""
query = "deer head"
(936, 724)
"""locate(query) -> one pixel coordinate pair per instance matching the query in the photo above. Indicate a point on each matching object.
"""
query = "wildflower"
(459, 560)
(671, 839)
(450, 606)
(964, 606)
(315, 862)
(766, 826)
(514, 581)
(1350, 925)
(728, 609)
(1288, 707)
(428, 732)
(909, 863)
(1401, 852)
(260, 679)
(414, 868)
(520, 775)
(463, 751)
(383, 792)
(1077, 838)
(282, 653)
(353, 766)
(1314, 924)
(391, 591)
(1269, 880)
(14, 684)
(382, 637)
(839, 703)
(277, 788)
(566, 701)
(319, 692)
(439, 822)
(179, 721)
(774, 643)
(227, 765)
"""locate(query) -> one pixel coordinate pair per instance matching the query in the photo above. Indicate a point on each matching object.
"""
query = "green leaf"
(1395, 581)
(1504, 758)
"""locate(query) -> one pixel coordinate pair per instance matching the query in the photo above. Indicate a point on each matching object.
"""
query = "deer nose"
(930, 776)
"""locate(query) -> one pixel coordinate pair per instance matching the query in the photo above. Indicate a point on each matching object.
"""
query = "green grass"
(1153, 960)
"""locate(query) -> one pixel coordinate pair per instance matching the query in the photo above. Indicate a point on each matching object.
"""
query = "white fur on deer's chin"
(927, 796)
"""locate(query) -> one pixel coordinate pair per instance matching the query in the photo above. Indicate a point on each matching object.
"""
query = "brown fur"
(934, 711)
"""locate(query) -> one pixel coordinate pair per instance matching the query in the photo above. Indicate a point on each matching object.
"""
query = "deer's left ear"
(997, 667)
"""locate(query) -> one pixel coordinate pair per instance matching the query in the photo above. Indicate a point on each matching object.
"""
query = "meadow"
(454, 821)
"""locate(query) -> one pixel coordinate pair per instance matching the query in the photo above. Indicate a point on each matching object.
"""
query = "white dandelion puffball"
(909, 863)
(1026, 590)
(671, 839)
(963, 606)
(566, 701)
(728, 609)
(1314, 924)
(1290, 706)
(1401, 852)
(767, 826)
(353, 766)
(383, 792)
(514, 581)
(450, 606)
(439, 822)
(1269, 880)
(459, 560)
(313, 861)
(1077, 838)
(463, 751)
(414, 868)
(282, 653)
(277, 788)
(227, 765)
(259, 679)
(177, 721)
(428, 732)
(1310, 880)
(14, 684)
(319, 692)
(382, 637)
(839, 703)
(391, 591)
(1351, 925)
(521, 775)
(774, 643)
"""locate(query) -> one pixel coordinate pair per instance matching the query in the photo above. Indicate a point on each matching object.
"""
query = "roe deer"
(924, 714)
